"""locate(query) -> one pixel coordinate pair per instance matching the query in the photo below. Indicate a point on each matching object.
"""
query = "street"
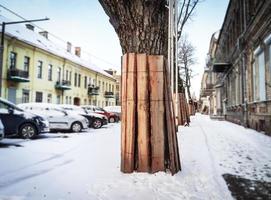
(87, 166)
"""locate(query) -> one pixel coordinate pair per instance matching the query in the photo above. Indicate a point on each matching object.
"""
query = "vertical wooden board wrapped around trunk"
(123, 109)
(143, 109)
(131, 114)
(156, 64)
(170, 158)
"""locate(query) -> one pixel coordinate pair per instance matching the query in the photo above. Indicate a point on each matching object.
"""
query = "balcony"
(18, 75)
(93, 90)
(63, 85)
(109, 94)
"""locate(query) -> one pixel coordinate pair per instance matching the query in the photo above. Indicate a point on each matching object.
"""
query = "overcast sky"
(84, 23)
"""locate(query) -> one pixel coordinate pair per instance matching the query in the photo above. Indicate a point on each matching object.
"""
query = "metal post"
(2, 54)
(172, 46)
(176, 59)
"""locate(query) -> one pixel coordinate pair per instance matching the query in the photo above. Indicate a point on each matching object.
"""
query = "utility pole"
(2, 46)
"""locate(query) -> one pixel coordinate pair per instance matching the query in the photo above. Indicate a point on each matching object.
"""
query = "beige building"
(35, 69)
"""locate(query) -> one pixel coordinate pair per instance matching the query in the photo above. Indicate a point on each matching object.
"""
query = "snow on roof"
(33, 38)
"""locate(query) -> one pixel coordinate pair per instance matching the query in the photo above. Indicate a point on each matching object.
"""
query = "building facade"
(208, 98)
(243, 63)
(37, 70)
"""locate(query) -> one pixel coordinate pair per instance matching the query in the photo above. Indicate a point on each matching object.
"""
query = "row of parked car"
(30, 119)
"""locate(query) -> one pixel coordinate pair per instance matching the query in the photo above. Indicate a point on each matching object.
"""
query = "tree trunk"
(141, 25)
(142, 28)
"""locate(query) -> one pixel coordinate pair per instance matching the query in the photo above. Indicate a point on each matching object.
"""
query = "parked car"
(2, 133)
(58, 118)
(114, 109)
(112, 117)
(18, 122)
(95, 120)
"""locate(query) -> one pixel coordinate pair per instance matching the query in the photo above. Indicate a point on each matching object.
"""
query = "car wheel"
(28, 131)
(112, 120)
(76, 127)
(97, 123)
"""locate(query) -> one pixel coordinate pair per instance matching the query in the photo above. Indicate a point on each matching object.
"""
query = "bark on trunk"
(141, 25)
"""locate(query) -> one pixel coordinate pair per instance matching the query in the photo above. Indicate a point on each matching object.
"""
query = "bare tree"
(186, 59)
(187, 8)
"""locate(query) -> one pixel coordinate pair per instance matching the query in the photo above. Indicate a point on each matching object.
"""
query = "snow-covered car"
(2, 133)
(58, 118)
(112, 117)
(95, 120)
(18, 122)
(114, 109)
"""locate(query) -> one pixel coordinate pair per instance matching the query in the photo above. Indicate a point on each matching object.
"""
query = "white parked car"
(2, 135)
(58, 118)
(95, 120)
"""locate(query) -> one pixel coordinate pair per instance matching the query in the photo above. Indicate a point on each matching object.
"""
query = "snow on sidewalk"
(87, 165)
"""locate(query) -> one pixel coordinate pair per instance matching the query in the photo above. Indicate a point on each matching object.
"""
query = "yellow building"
(35, 69)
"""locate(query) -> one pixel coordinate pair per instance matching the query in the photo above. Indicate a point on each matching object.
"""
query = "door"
(10, 120)
(57, 119)
(76, 101)
(12, 95)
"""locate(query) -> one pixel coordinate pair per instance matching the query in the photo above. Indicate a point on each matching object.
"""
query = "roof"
(33, 38)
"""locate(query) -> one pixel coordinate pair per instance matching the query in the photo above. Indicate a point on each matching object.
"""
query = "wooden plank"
(143, 109)
(123, 109)
(170, 148)
(156, 64)
(131, 111)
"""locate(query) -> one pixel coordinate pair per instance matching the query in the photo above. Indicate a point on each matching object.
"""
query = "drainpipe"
(244, 99)
(96, 80)
(63, 75)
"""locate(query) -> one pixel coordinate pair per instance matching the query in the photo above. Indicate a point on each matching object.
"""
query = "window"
(39, 70)
(259, 90)
(12, 60)
(58, 99)
(50, 72)
(86, 82)
(75, 79)
(38, 96)
(25, 98)
(67, 75)
(79, 80)
(89, 81)
(26, 63)
(58, 74)
(49, 98)
(3, 108)
(67, 100)
(70, 78)
(70, 100)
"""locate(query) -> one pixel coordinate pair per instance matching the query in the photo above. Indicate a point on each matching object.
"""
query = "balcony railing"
(63, 85)
(18, 75)
(109, 94)
(93, 90)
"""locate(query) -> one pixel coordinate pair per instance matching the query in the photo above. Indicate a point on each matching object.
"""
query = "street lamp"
(3, 39)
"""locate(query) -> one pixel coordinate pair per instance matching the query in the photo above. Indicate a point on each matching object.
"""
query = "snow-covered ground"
(87, 165)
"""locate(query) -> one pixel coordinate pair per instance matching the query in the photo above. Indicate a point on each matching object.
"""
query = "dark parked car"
(18, 122)
(112, 117)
